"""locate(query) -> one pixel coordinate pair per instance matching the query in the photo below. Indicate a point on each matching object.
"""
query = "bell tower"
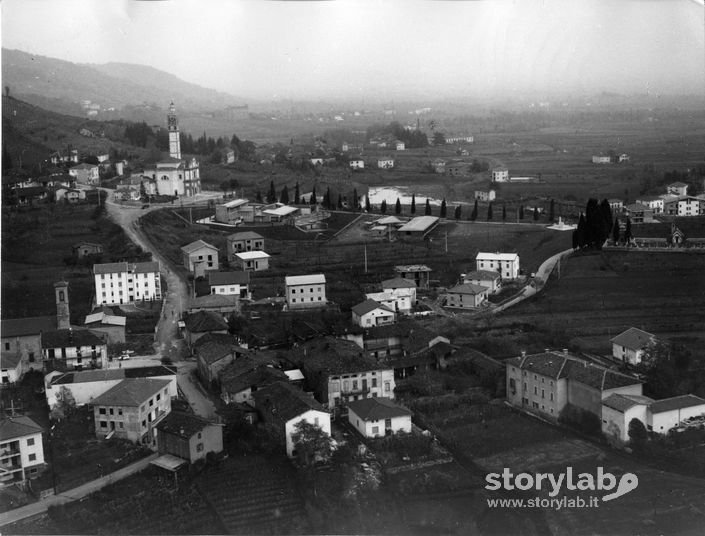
(174, 141)
(63, 317)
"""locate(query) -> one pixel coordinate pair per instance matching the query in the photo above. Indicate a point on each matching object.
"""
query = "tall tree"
(427, 211)
(628, 231)
(489, 212)
(521, 212)
(383, 206)
(458, 212)
(444, 208)
(473, 215)
(340, 201)
(258, 196)
(536, 213)
(368, 207)
(313, 199)
(272, 194)
(297, 193)
(326, 199)
(284, 196)
(552, 211)
(606, 219)
(504, 212)
(397, 207)
(413, 203)
(581, 232)
(615, 231)
(355, 201)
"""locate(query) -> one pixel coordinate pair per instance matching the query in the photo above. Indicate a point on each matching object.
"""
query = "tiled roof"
(214, 300)
(221, 338)
(313, 279)
(228, 278)
(258, 377)
(120, 267)
(622, 403)
(12, 427)
(245, 235)
(419, 224)
(412, 268)
(282, 401)
(202, 321)
(10, 360)
(131, 392)
(548, 364)
(377, 409)
(195, 246)
(182, 424)
(369, 305)
(105, 319)
(634, 339)
(468, 288)
(18, 327)
(101, 375)
(398, 282)
(677, 402)
(211, 352)
(497, 256)
(482, 275)
(63, 338)
(333, 356)
(251, 255)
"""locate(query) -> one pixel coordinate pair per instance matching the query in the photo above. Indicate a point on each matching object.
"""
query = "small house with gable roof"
(630, 345)
(199, 257)
(374, 417)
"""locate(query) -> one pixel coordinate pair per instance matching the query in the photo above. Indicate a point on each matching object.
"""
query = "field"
(37, 251)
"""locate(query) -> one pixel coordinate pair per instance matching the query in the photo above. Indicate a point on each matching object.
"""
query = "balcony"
(10, 449)
(358, 390)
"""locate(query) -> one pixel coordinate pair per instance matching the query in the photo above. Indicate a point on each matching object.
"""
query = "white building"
(199, 257)
(398, 304)
(677, 188)
(21, 450)
(630, 345)
(685, 206)
(500, 175)
(403, 289)
(357, 163)
(466, 296)
(400, 145)
(370, 313)
(229, 283)
(654, 202)
(507, 264)
(601, 159)
(117, 283)
(385, 163)
(282, 406)
(374, 417)
(486, 278)
(252, 261)
(660, 416)
(482, 195)
(305, 291)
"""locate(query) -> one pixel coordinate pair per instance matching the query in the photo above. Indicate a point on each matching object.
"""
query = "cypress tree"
(552, 211)
(413, 203)
(536, 213)
(284, 197)
(473, 215)
(340, 201)
(444, 208)
(615, 231)
(355, 200)
(628, 231)
(313, 199)
(383, 207)
(521, 212)
(581, 232)
(258, 196)
(368, 208)
(397, 207)
(489, 212)
(458, 211)
(297, 193)
(428, 207)
(272, 195)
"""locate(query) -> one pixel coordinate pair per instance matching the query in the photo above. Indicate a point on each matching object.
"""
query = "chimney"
(523, 353)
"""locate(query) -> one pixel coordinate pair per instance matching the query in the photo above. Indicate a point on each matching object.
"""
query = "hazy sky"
(266, 49)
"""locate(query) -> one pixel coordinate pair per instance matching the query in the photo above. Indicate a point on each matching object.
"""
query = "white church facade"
(174, 175)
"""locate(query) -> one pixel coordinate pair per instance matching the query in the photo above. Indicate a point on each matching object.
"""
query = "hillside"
(38, 79)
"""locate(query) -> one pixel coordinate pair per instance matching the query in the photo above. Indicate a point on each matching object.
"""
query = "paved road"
(76, 493)
(193, 391)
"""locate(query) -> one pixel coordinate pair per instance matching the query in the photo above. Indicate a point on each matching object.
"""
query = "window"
(103, 424)
(144, 424)
(159, 397)
(374, 381)
(551, 397)
(199, 447)
(151, 402)
(536, 390)
(112, 411)
(119, 411)
(121, 425)
(543, 393)
(30, 442)
(101, 411)
(387, 387)
(7, 346)
(375, 430)
(32, 457)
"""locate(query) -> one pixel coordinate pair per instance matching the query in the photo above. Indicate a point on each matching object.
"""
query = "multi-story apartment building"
(118, 283)
(507, 264)
(132, 409)
(305, 291)
(21, 450)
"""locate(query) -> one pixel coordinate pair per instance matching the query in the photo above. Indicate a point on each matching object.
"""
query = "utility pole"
(365, 257)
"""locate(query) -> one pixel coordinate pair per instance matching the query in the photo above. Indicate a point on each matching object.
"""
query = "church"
(173, 175)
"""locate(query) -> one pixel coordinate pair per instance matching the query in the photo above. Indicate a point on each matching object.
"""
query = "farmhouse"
(398, 304)
(338, 372)
(356, 163)
(482, 195)
(22, 344)
(281, 406)
(69, 195)
(374, 417)
(403, 289)
(500, 175)
(601, 159)
(660, 416)
(460, 138)
(85, 174)
(466, 296)
(506, 264)
(121, 282)
(242, 379)
(458, 169)
(84, 386)
(305, 291)
(630, 345)
(486, 278)
(215, 303)
(21, 449)
(77, 349)
(418, 228)
(199, 257)
(245, 241)
(229, 283)
(419, 274)
(85, 249)
(131, 410)
(232, 212)
(213, 356)
(198, 324)
(188, 436)
(399, 145)
(371, 313)
(639, 213)
(385, 163)
(280, 214)
(547, 382)
(252, 261)
(112, 326)
(677, 188)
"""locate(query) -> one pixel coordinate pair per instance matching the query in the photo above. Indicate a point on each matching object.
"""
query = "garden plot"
(539, 457)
